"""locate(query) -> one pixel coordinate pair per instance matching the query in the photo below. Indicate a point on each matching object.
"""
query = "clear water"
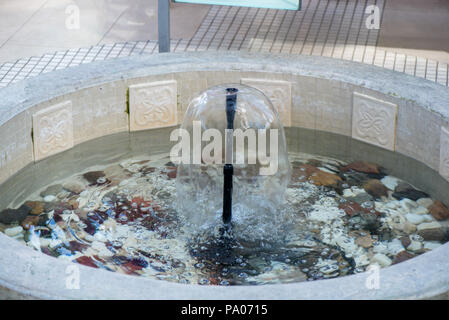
(124, 218)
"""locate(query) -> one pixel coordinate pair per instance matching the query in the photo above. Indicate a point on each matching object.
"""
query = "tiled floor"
(331, 28)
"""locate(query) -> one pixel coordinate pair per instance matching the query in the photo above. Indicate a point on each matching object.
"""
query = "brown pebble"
(361, 166)
(365, 241)
(439, 211)
(402, 256)
(433, 234)
(375, 188)
(30, 221)
(323, 178)
(93, 176)
(350, 208)
(37, 207)
(73, 204)
(172, 174)
(405, 240)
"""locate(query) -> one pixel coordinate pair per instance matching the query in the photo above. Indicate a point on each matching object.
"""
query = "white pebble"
(357, 190)
(84, 194)
(395, 246)
(11, 232)
(381, 259)
(429, 225)
(420, 210)
(415, 218)
(428, 218)
(390, 182)
(347, 193)
(414, 246)
(50, 198)
(425, 202)
(408, 205)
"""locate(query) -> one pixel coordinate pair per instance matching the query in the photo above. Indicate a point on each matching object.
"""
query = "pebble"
(322, 178)
(381, 259)
(375, 188)
(395, 246)
(420, 210)
(429, 225)
(425, 202)
(409, 227)
(365, 241)
(390, 182)
(347, 193)
(415, 218)
(362, 166)
(361, 197)
(405, 190)
(51, 190)
(11, 232)
(50, 198)
(405, 241)
(402, 256)
(408, 205)
(37, 207)
(9, 216)
(30, 221)
(92, 176)
(432, 231)
(439, 211)
(414, 246)
(74, 187)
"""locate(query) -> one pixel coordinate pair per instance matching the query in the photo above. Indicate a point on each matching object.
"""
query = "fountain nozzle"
(228, 170)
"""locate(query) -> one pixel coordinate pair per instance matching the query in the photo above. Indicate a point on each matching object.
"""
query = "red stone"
(402, 256)
(439, 211)
(87, 261)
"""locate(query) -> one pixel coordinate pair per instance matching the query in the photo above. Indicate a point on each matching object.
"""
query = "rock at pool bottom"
(122, 219)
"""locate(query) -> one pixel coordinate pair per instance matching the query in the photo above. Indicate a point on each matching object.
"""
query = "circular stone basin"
(86, 178)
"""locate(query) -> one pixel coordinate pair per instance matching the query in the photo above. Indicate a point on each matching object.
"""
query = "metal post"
(163, 23)
(228, 169)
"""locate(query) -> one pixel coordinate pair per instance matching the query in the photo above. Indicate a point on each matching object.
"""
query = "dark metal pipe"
(228, 170)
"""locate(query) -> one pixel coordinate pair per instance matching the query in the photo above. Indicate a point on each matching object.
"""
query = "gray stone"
(51, 190)
(74, 187)
(405, 190)
(8, 216)
(361, 198)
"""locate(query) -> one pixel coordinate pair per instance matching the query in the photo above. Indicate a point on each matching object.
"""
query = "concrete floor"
(416, 27)
(34, 27)
(413, 37)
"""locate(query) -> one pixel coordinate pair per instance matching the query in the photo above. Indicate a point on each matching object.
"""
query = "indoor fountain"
(296, 179)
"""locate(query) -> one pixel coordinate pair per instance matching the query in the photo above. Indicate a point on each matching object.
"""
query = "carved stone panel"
(280, 94)
(444, 153)
(374, 121)
(153, 105)
(52, 130)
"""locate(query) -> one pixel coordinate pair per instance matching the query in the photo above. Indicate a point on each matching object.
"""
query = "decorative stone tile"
(153, 105)
(52, 130)
(444, 153)
(374, 121)
(280, 94)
